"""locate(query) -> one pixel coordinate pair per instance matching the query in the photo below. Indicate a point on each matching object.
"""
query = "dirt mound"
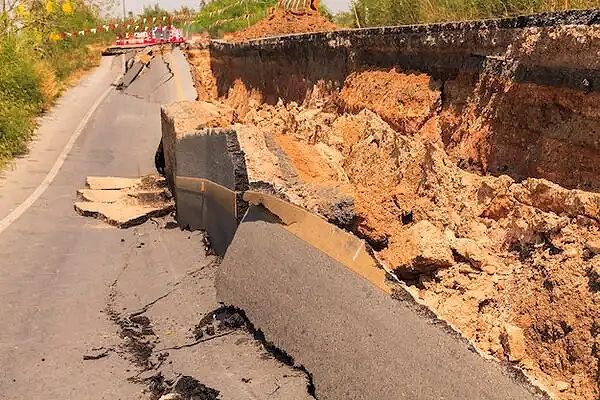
(512, 265)
(409, 99)
(282, 22)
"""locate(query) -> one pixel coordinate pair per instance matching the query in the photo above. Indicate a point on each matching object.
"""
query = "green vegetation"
(220, 16)
(154, 11)
(36, 64)
(394, 12)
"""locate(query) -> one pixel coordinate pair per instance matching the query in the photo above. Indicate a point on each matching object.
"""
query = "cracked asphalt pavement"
(93, 312)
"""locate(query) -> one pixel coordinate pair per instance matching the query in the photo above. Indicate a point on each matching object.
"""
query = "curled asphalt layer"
(356, 341)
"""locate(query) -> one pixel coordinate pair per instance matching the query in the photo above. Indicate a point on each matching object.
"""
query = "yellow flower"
(55, 37)
(49, 6)
(67, 8)
(21, 11)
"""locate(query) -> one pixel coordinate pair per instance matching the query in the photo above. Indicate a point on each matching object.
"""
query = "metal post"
(124, 12)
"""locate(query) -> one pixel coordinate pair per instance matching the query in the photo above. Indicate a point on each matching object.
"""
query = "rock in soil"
(513, 342)
(125, 202)
(426, 250)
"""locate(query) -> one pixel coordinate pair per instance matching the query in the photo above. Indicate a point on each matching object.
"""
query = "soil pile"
(281, 22)
(513, 265)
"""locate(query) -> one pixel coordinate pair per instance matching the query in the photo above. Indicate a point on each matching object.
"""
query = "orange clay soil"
(204, 80)
(514, 266)
(281, 22)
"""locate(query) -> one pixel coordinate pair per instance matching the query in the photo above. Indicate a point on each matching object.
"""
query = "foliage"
(394, 12)
(345, 19)
(35, 65)
(220, 16)
(154, 11)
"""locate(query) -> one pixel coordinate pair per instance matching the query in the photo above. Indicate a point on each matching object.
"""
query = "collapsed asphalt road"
(93, 312)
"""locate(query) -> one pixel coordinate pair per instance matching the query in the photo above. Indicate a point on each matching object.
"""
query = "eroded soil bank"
(479, 189)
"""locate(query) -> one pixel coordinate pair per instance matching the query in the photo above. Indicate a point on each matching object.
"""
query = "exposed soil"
(512, 264)
(281, 22)
(408, 101)
(199, 59)
(523, 130)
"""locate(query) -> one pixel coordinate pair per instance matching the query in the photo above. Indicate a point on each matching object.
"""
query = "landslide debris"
(204, 80)
(282, 22)
(512, 261)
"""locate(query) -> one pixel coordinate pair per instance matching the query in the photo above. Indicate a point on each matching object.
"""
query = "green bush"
(34, 68)
(220, 16)
(21, 98)
(19, 81)
(394, 12)
(16, 128)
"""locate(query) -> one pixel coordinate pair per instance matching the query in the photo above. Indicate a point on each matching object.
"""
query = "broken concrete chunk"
(101, 196)
(188, 116)
(125, 202)
(120, 215)
(513, 342)
(171, 396)
(111, 182)
(426, 250)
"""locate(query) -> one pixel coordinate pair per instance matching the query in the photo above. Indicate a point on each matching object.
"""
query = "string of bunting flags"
(224, 21)
(130, 25)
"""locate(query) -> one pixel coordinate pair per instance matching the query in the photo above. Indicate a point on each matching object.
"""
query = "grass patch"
(221, 16)
(34, 70)
(29, 84)
(394, 12)
(22, 96)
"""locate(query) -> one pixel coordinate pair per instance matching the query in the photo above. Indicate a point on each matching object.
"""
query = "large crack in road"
(163, 337)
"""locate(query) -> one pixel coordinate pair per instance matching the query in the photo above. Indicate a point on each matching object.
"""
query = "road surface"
(67, 283)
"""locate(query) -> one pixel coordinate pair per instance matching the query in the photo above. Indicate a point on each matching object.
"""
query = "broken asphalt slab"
(355, 340)
(160, 300)
(124, 202)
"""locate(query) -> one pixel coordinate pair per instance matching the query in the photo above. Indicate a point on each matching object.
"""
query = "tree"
(154, 11)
